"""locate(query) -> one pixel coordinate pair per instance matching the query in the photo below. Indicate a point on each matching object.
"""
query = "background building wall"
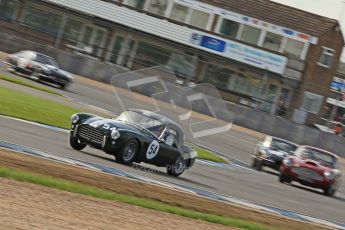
(246, 117)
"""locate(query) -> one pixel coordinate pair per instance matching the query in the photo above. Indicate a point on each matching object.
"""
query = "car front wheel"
(284, 179)
(75, 143)
(177, 168)
(128, 153)
(330, 190)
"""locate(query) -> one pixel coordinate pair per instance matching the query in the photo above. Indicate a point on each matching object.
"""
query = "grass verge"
(209, 155)
(23, 83)
(87, 190)
(24, 106)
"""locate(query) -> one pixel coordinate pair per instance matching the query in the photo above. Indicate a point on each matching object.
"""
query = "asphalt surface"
(260, 187)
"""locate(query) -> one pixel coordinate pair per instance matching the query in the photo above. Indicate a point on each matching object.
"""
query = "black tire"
(128, 153)
(284, 179)
(75, 144)
(63, 86)
(257, 164)
(177, 168)
(330, 190)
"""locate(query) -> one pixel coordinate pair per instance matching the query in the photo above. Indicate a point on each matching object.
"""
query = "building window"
(115, 53)
(227, 79)
(179, 13)
(199, 19)
(272, 41)
(229, 28)
(7, 9)
(158, 7)
(250, 34)
(245, 84)
(92, 40)
(181, 64)
(121, 50)
(312, 102)
(72, 30)
(42, 20)
(138, 4)
(293, 48)
(326, 58)
(151, 55)
(218, 76)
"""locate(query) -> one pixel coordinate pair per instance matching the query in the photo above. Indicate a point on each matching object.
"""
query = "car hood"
(277, 153)
(108, 124)
(312, 164)
(53, 70)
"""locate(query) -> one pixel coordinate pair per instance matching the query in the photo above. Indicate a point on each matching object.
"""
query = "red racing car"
(312, 167)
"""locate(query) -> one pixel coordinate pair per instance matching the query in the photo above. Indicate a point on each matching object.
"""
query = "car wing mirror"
(161, 140)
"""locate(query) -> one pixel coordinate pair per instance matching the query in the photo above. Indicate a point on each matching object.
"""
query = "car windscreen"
(280, 145)
(155, 126)
(319, 156)
(46, 60)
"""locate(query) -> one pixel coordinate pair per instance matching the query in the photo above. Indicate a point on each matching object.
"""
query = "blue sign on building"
(213, 43)
(338, 85)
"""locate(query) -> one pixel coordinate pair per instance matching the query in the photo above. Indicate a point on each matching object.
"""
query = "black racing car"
(134, 136)
(39, 67)
(271, 152)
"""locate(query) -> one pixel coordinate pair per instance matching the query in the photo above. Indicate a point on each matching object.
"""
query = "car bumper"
(190, 162)
(54, 79)
(306, 180)
(106, 143)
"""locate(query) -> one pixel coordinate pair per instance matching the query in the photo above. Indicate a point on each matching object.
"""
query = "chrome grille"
(307, 173)
(90, 133)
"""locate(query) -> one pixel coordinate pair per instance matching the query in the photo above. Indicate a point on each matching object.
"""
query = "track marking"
(240, 139)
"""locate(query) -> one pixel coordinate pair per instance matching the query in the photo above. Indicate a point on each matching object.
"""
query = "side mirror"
(161, 140)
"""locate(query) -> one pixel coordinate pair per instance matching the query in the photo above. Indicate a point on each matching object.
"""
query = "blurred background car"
(39, 67)
(271, 152)
(312, 167)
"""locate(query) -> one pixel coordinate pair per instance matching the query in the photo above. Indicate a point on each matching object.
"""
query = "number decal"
(152, 150)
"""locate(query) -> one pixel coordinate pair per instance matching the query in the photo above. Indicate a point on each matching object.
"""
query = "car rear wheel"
(177, 168)
(75, 143)
(128, 153)
(330, 190)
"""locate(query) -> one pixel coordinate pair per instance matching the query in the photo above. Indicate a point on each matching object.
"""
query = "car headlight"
(115, 134)
(264, 153)
(329, 175)
(74, 118)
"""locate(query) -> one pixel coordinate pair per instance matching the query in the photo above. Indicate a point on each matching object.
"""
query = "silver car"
(271, 152)
(39, 67)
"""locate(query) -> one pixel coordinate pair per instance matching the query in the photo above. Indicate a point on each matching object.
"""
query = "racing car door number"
(152, 150)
